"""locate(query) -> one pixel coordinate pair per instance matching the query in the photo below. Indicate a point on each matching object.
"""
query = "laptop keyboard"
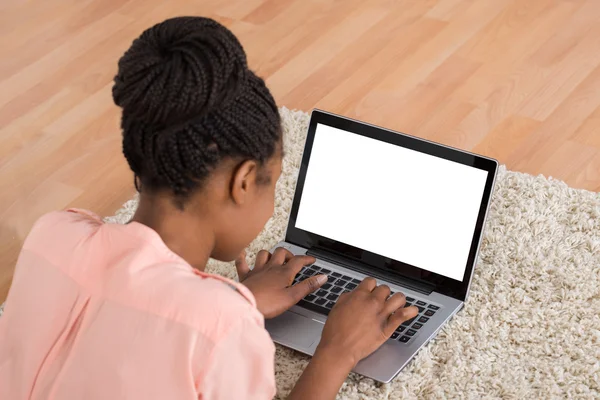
(323, 300)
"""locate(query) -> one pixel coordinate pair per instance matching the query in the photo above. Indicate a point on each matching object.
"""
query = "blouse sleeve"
(242, 365)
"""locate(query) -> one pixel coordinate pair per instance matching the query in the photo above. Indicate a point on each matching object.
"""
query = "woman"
(106, 311)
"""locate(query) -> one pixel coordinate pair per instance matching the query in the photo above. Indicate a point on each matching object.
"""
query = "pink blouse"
(107, 311)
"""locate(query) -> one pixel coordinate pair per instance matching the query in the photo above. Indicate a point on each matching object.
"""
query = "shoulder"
(211, 305)
(61, 221)
(59, 228)
(134, 268)
(225, 303)
(72, 215)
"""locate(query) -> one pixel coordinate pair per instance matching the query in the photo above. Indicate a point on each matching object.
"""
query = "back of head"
(190, 101)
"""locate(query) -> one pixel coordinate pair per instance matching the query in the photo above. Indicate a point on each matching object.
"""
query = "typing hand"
(363, 320)
(271, 279)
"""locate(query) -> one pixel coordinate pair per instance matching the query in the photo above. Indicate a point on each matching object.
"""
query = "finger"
(394, 303)
(296, 263)
(280, 256)
(397, 318)
(262, 258)
(368, 284)
(241, 265)
(301, 289)
(294, 266)
(382, 292)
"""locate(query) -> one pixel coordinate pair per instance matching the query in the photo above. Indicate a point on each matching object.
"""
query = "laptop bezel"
(444, 285)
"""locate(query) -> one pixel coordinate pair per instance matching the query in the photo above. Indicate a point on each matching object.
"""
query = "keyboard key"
(405, 339)
(325, 271)
(433, 307)
(340, 282)
(409, 299)
(420, 309)
(421, 303)
(355, 281)
(351, 286)
(346, 278)
(400, 329)
(326, 286)
(346, 291)
(320, 301)
(411, 332)
(303, 277)
(322, 293)
(332, 297)
(407, 305)
(330, 305)
(336, 289)
(310, 297)
(417, 325)
(315, 268)
(310, 273)
(331, 279)
(394, 335)
(336, 274)
(410, 321)
(314, 307)
(429, 313)
(423, 319)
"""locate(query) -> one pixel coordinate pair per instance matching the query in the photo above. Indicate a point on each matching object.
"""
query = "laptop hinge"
(377, 273)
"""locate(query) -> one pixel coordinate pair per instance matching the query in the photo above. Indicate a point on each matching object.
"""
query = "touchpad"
(294, 329)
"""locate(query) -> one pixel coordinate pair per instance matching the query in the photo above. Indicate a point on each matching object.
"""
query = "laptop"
(373, 202)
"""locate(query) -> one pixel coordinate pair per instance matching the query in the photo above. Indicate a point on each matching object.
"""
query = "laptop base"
(300, 328)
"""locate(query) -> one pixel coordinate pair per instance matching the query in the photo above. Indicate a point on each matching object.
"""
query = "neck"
(186, 234)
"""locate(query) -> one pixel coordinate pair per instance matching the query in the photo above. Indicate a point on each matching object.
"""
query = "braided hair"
(190, 101)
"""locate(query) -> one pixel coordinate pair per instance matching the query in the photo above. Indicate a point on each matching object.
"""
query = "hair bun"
(181, 68)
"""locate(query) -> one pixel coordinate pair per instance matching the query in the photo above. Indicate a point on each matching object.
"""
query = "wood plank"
(510, 53)
(501, 141)
(335, 72)
(535, 150)
(581, 163)
(333, 41)
(589, 132)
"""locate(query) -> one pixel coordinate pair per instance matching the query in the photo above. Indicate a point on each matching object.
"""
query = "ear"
(243, 181)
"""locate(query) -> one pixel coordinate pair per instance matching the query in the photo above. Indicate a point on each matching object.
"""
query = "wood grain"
(516, 80)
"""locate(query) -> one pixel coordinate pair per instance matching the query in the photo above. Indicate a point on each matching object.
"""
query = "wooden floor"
(518, 80)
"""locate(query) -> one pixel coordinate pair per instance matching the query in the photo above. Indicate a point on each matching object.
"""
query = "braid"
(189, 101)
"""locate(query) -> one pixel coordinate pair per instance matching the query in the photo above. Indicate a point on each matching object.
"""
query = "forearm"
(323, 377)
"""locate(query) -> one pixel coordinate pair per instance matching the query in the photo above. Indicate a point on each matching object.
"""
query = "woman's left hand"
(271, 278)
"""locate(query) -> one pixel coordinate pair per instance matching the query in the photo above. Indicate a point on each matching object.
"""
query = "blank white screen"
(392, 201)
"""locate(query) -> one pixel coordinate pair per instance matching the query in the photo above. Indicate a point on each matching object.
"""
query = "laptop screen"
(399, 203)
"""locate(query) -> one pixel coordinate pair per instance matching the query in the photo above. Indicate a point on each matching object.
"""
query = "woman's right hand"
(362, 320)
(358, 324)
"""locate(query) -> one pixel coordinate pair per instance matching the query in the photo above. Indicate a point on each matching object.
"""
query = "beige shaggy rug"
(531, 328)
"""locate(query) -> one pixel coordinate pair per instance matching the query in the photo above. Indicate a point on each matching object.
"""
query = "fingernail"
(322, 279)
